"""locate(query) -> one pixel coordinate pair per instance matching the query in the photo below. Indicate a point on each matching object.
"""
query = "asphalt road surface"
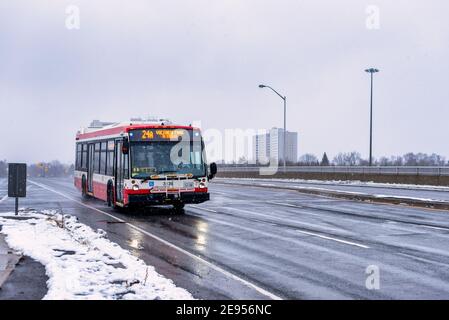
(395, 190)
(261, 243)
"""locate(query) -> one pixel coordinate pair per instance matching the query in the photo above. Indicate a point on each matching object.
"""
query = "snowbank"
(355, 183)
(81, 263)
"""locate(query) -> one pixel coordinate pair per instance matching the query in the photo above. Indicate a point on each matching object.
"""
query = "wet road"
(259, 243)
(396, 190)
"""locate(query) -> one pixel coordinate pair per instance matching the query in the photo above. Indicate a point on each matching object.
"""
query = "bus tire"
(179, 207)
(84, 187)
(110, 195)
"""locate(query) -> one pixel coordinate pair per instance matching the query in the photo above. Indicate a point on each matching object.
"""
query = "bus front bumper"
(170, 198)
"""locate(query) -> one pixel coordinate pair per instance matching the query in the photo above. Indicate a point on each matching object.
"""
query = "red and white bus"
(142, 163)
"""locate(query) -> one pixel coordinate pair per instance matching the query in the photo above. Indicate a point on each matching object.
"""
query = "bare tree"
(347, 159)
(50, 169)
(308, 159)
(3, 168)
(423, 159)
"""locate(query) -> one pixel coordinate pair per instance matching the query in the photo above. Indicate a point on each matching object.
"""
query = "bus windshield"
(153, 158)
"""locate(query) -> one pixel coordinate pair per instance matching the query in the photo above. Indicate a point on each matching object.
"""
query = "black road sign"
(17, 180)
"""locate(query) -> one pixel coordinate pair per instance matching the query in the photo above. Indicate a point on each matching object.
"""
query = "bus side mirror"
(212, 170)
(125, 146)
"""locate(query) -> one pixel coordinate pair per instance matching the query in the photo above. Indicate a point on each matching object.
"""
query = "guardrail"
(419, 171)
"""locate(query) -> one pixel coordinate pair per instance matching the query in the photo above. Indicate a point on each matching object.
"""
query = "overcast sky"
(202, 60)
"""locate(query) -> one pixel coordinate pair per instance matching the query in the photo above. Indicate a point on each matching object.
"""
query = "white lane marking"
(283, 220)
(387, 220)
(4, 198)
(333, 239)
(436, 228)
(171, 245)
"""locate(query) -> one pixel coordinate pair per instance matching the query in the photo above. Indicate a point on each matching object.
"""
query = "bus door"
(90, 169)
(119, 184)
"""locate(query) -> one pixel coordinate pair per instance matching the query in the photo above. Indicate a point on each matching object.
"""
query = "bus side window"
(78, 156)
(102, 169)
(97, 158)
(84, 157)
(125, 166)
(110, 164)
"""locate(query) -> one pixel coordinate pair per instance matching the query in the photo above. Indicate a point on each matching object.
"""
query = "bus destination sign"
(156, 134)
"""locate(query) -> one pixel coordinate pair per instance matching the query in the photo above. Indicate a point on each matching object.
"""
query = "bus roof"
(98, 129)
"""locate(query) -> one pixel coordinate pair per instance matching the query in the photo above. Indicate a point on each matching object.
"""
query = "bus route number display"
(157, 134)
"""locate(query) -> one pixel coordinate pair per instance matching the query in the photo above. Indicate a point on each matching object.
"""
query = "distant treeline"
(355, 159)
(408, 159)
(3, 167)
(43, 169)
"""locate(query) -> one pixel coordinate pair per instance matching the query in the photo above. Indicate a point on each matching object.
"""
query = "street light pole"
(285, 121)
(285, 131)
(371, 71)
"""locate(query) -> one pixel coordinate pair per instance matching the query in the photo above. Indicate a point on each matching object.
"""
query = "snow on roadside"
(81, 263)
(302, 185)
(355, 183)
(380, 196)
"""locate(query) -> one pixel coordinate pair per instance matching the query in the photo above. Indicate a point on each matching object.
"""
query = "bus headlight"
(135, 187)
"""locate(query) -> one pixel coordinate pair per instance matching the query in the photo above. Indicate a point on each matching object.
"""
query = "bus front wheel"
(179, 207)
(110, 195)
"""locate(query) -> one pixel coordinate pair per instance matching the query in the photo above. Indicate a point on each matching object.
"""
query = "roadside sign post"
(17, 175)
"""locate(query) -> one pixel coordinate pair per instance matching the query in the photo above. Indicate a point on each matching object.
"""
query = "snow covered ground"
(355, 183)
(82, 263)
